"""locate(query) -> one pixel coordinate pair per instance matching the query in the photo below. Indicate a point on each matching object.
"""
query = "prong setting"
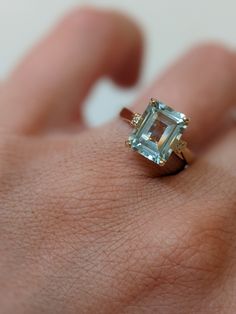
(127, 143)
(187, 120)
(162, 163)
(153, 101)
(157, 132)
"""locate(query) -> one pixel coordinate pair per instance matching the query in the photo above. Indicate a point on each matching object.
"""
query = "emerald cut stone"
(159, 127)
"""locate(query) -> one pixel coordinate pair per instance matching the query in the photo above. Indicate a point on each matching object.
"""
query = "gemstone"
(159, 128)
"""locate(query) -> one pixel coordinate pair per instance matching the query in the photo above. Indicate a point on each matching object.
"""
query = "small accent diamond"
(136, 120)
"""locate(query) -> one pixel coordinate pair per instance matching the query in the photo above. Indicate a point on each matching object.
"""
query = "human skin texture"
(86, 225)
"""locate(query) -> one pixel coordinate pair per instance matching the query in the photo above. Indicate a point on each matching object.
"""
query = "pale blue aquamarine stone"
(160, 126)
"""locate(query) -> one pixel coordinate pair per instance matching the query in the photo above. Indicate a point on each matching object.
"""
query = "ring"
(157, 136)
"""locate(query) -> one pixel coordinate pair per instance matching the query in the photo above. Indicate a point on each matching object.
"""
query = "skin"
(86, 226)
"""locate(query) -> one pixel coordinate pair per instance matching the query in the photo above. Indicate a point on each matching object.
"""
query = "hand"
(84, 226)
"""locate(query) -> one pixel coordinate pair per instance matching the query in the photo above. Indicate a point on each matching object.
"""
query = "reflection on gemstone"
(160, 127)
(157, 130)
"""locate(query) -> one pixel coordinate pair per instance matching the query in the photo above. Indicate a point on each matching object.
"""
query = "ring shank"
(127, 115)
(174, 165)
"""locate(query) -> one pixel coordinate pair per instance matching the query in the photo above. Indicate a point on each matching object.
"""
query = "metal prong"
(162, 163)
(187, 120)
(153, 101)
(128, 144)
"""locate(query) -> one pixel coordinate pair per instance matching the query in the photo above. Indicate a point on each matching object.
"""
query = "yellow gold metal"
(153, 101)
(187, 120)
(162, 163)
(178, 146)
(182, 151)
(131, 117)
(188, 155)
(127, 144)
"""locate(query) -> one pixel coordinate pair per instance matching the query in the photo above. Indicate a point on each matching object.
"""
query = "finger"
(220, 160)
(48, 87)
(202, 85)
(213, 177)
